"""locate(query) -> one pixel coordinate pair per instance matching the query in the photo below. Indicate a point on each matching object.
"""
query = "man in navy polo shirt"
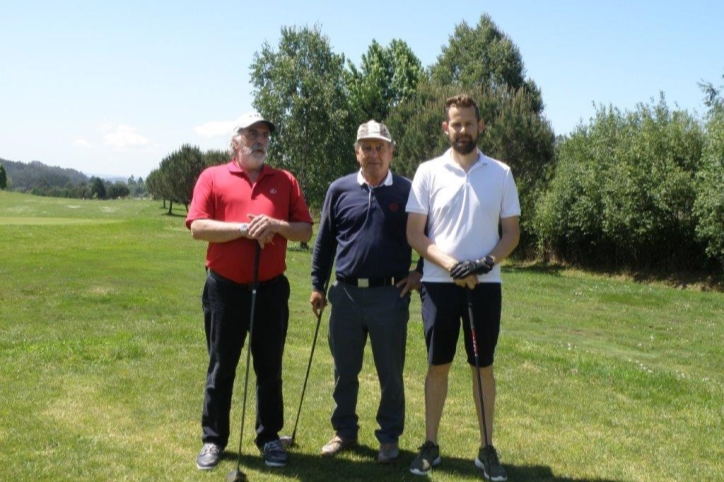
(363, 226)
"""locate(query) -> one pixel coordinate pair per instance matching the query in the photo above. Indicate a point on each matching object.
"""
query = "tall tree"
(215, 157)
(118, 189)
(483, 56)
(300, 87)
(179, 172)
(3, 177)
(98, 188)
(386, 76)
(153, 184)
(709, 204)
(712, 95)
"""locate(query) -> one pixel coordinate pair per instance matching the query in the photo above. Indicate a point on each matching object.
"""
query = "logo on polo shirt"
(272, 191)
(393, 207)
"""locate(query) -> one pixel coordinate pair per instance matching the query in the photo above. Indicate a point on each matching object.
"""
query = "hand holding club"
(463, 269)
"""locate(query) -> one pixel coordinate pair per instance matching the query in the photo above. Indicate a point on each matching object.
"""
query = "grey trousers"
(381, 313)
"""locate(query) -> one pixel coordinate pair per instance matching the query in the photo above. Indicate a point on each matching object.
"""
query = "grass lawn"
(102, 363)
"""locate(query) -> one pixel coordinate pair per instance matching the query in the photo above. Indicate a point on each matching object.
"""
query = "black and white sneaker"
(274, 454)
(488, 461)
(209, 457)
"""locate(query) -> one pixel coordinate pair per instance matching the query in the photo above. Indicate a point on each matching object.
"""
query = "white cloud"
(215, 129)
(123, 136)
(81, 143)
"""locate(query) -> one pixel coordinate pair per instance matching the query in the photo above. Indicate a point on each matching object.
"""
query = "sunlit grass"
(102, 362)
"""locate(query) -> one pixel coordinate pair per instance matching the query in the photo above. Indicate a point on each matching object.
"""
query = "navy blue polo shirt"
(365, 229)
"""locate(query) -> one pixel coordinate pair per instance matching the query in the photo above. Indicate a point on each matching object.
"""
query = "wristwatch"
(244, 228)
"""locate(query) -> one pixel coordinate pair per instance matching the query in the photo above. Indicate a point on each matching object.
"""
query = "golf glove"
(463, 269)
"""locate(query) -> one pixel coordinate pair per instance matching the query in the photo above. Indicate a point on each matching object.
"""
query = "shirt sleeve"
(510, 205)
(325, 247)
(202, 205)
(419, 200)
(298, 209)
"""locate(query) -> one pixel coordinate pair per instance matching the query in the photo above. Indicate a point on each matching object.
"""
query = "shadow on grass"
(695, 280)
(543, 268)
(359, 464)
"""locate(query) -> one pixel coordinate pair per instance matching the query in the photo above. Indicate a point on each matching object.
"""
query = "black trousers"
(227, 306)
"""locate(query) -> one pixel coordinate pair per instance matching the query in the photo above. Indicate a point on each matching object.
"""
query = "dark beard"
(464, 147)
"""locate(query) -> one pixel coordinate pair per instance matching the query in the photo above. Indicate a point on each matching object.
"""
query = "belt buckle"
(363, 283)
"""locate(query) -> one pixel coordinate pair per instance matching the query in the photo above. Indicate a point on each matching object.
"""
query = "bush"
(709, 205)
(624, 191)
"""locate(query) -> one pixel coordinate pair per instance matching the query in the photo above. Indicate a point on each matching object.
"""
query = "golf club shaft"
(311, 356)
(306, 376)
(254, 287)
(474, 336)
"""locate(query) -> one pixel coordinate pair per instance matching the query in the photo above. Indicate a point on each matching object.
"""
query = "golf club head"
(287, 441)
(236, 476)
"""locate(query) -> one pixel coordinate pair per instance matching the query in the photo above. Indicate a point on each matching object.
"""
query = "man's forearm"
(214, 231)
(419, 241)
(428, 250)
(508, 241)
(295, 231)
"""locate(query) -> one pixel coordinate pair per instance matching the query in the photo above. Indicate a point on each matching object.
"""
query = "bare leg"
(436, 383)
(489, 398)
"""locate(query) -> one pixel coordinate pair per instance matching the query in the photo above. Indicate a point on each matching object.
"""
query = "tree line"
(42, 180)
(632, 190)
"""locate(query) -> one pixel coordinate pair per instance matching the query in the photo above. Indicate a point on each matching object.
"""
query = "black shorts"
(445, 305)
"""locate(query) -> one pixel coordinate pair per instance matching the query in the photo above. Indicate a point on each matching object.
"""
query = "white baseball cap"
(251, 118)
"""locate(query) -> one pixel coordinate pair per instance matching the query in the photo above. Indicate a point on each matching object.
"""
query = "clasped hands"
(463, 269)
(262, 228)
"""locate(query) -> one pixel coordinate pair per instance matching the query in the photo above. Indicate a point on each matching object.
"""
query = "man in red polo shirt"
(235, 206)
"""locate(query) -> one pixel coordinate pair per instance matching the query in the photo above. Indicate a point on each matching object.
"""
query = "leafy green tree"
(709, 204)
(3, 178)
(712, 95)
(179, 172)
(300, 87)
(98, 188)
(483, 56)
(117, 190)
(416, 125)
(623, 191)
(387, 76)
(216, 157)
(153, 185)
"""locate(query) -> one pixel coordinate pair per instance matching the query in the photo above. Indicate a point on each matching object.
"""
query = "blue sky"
(113, 87)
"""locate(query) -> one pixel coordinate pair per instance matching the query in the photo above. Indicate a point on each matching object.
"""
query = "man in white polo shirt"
(456, 205)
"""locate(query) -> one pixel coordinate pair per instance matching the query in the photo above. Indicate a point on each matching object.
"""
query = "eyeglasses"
(253, 134)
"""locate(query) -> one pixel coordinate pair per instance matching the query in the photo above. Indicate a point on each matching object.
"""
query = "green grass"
(102, 364)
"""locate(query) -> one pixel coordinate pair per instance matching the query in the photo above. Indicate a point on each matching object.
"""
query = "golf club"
(289, 441)
(473, 334)
(237, 475)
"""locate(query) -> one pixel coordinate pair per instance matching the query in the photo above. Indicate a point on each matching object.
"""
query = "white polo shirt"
(463, 209)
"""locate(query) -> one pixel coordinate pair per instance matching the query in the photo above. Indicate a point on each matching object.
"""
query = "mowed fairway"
(102, 362)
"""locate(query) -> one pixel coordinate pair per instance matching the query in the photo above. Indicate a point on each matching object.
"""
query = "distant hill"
(24, 177)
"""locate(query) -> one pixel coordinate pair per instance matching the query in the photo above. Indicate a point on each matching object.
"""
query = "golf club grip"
(257, 256)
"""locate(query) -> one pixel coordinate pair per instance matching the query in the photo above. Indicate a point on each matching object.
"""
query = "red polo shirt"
(225, 193)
